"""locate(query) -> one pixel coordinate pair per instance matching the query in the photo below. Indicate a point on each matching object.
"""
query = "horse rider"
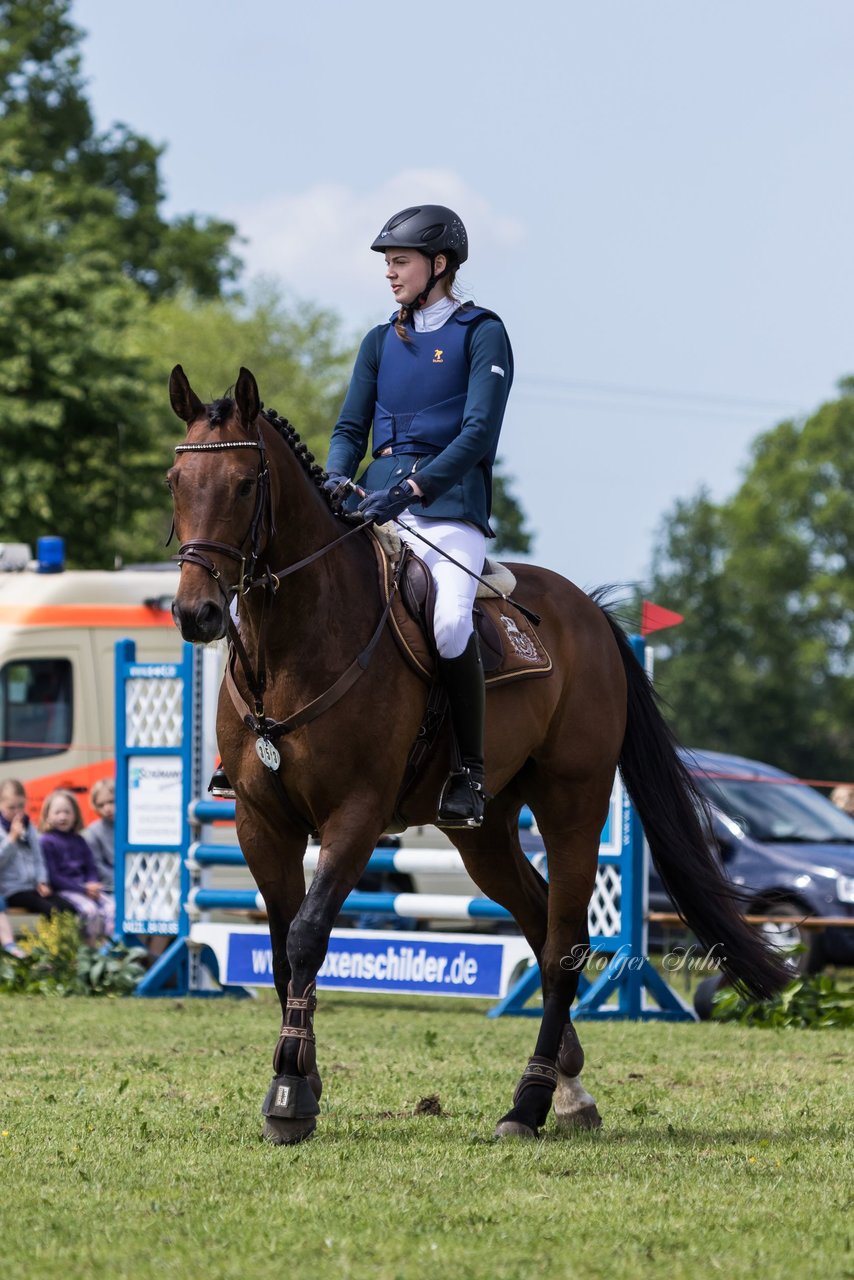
(429, 389)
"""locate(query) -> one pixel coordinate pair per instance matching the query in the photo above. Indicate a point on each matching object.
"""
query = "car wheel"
(705, 994)
(803, 944)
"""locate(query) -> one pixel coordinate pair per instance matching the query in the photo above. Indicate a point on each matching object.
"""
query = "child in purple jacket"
(71, 867)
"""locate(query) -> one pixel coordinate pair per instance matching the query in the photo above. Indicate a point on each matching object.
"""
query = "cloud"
(318, 240)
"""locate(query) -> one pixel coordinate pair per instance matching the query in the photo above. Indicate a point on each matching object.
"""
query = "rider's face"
(407, 271)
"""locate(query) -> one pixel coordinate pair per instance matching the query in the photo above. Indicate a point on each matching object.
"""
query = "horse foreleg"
(291, 1106)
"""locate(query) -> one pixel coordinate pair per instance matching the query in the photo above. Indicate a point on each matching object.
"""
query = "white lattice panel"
(603, 913)
(152, 892)
(154, 713)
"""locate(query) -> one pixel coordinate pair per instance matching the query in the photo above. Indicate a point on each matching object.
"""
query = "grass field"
(130, 1148)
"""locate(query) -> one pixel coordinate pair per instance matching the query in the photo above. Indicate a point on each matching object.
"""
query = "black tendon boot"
(462, 801)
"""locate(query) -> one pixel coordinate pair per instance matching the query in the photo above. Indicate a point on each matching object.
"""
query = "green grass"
(130, 1148)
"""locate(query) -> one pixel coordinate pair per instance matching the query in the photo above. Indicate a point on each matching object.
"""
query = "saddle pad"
(522, 652)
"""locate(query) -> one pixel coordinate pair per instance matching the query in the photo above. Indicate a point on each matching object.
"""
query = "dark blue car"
(790, 851)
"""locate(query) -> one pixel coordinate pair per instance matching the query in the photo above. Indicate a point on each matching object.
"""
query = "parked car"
(787, 848)
(789, 851)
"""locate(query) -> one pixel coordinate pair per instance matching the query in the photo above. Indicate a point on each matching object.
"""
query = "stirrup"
(220, 786)
(462, 801)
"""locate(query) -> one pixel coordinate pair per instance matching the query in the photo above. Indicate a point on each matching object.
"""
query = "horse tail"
(670, 808)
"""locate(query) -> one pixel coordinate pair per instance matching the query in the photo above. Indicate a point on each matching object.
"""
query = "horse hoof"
(286, 1133)
(584, 1118)
(514, 1129)
(575, 1108)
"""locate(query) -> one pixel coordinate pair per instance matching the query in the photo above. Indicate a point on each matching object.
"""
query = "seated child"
(100, 835)
(71, 867)
(23, 875)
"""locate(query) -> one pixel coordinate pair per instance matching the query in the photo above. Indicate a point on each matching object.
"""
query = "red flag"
(655, 618)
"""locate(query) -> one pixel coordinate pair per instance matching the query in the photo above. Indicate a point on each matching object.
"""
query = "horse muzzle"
(202, 622)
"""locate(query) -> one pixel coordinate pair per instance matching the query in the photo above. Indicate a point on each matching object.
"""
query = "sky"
(659, 196)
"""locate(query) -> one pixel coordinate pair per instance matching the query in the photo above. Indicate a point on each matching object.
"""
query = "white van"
(58, 630)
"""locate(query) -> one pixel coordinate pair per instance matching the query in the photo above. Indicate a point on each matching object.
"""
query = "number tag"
(267, 754)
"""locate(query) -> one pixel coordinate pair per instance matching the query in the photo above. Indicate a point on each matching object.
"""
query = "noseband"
(192, 552)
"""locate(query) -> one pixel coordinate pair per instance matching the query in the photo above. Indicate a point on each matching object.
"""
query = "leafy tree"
(508, 518)
(764, 663)
(83, 250)
(99, 295)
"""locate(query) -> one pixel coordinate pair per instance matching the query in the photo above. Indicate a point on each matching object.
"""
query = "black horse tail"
(670, 808)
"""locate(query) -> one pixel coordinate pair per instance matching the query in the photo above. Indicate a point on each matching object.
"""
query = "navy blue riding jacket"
(437, 401)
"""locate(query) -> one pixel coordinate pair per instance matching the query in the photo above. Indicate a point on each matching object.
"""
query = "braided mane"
(301, 452)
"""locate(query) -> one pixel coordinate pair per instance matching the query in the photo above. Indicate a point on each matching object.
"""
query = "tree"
(764, 663)
(83, 251)
(99, 295)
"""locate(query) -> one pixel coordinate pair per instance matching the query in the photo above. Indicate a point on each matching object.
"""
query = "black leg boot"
(462, 801)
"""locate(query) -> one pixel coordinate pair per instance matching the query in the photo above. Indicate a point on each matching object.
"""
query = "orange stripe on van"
(84, 615)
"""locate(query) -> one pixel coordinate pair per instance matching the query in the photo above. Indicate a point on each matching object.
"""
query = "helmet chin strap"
(435, 277)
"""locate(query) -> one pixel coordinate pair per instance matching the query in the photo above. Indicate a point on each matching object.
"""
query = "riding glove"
(335, 485)
(385, 504)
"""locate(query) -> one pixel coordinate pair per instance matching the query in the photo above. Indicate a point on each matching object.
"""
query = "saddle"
(510, 648)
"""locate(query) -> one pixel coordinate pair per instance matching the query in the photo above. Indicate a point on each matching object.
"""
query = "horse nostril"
(202, 622)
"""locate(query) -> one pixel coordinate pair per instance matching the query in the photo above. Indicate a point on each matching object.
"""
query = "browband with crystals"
(223, 444)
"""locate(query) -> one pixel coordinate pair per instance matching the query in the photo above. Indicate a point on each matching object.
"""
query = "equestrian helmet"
(430, 228)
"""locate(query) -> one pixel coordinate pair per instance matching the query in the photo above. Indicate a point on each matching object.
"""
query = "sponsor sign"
(387, 961)
(154, 800)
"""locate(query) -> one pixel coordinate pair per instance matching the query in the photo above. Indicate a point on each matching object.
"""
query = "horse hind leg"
(553, 1073)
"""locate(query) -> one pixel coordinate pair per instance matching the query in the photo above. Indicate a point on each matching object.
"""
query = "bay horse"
(317, 715)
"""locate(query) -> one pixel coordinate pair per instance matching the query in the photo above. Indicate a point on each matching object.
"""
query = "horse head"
(220, 486)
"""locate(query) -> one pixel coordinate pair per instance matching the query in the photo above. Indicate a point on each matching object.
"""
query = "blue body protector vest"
(422, 386)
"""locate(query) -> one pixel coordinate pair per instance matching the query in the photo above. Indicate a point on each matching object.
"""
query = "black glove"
(385, 504)
(335, 485)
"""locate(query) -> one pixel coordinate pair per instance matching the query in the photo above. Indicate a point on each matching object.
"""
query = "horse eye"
(245, 488)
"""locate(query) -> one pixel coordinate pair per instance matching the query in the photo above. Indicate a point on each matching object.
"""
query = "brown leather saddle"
(510, 647)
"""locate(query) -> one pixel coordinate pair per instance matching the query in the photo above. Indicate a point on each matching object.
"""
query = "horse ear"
(247, 398)
(184, 400)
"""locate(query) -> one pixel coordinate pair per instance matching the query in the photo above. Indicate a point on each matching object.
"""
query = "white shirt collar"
(426, 319)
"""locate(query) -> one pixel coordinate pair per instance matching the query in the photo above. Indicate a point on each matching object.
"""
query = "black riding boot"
(462, 801)
(219, 784)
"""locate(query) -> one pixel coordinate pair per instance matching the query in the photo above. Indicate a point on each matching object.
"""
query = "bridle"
(193, 552)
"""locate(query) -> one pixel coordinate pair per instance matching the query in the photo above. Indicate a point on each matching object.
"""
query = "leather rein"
(194, 552)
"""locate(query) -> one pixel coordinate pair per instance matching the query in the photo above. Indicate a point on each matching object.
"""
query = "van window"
(35, 708)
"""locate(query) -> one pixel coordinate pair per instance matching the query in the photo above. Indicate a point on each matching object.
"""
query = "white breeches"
(455, 589)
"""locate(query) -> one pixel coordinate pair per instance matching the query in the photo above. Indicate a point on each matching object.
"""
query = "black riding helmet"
(431, 229)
